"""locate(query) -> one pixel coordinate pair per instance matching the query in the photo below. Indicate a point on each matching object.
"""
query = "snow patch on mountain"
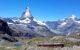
(9, 23)
(64, 23)
(77, 22)
(39, 22)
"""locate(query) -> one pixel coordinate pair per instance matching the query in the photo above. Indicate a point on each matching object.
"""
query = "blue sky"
(41, 9)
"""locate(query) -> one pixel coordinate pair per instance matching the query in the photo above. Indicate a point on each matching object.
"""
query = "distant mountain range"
(28, 24)
(67, 26)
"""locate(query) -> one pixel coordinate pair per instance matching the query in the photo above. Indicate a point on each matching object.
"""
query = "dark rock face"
(4, 29)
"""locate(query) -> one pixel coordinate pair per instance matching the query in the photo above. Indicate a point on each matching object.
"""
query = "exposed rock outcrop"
(5, 32)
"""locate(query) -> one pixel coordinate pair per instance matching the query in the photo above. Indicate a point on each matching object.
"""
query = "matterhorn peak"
(27, 14)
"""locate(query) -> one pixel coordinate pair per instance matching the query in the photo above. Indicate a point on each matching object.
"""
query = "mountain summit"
(27, 14)
(73, 18)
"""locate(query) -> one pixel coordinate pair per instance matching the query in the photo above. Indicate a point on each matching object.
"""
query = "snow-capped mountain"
(28, 24)
(65, 27)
